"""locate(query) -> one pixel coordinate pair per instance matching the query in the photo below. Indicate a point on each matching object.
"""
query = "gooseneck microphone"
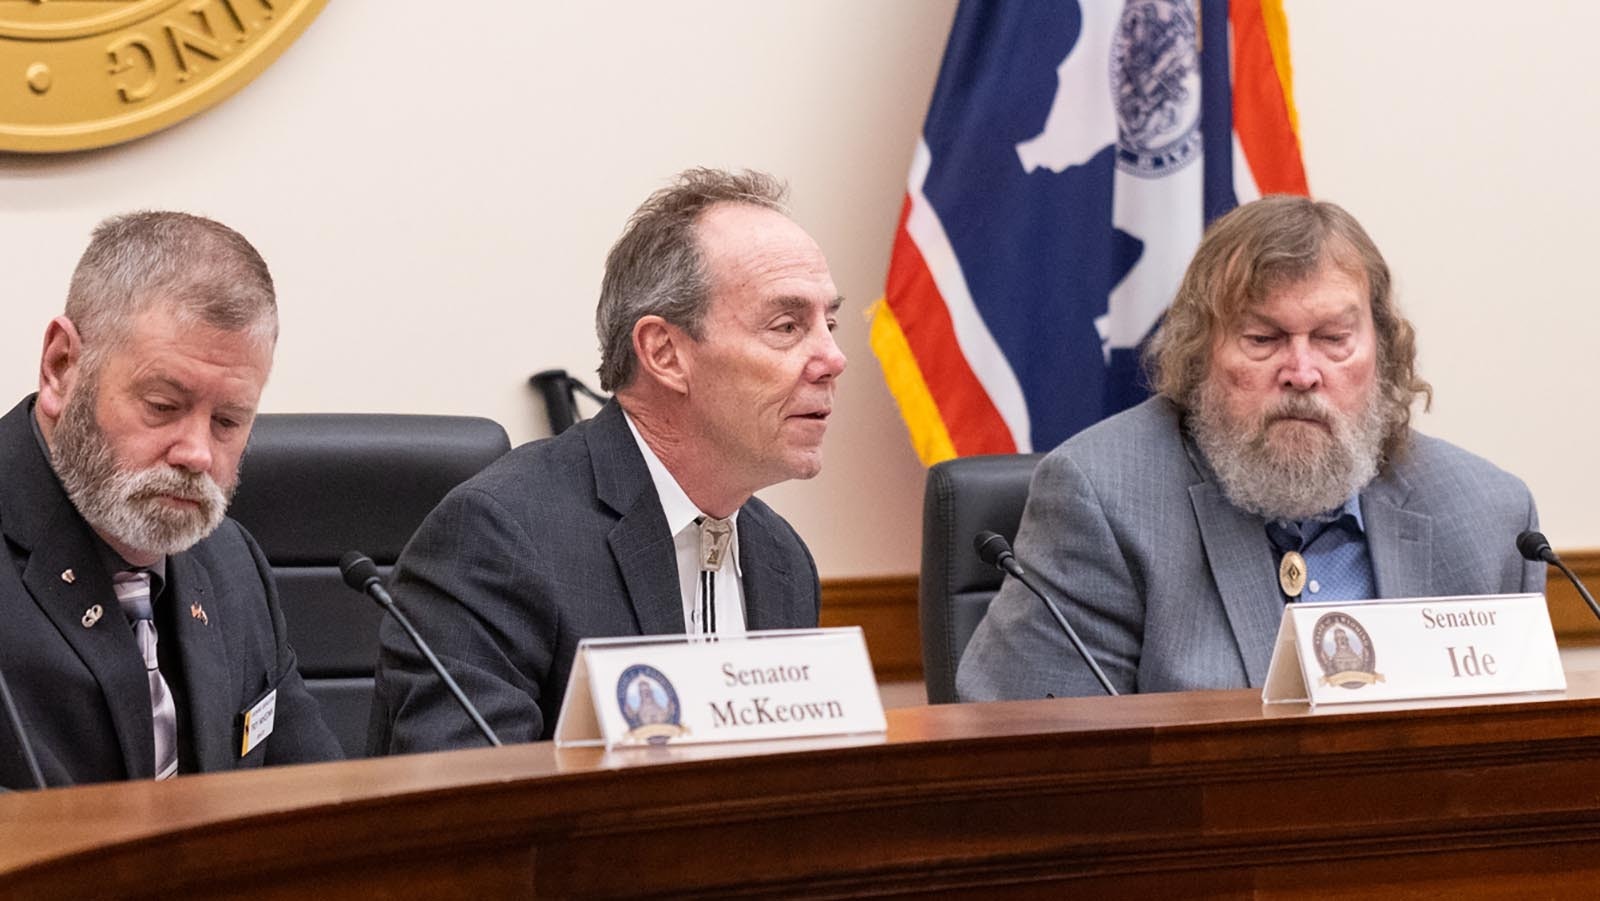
(21, 733)
(1533, 546)
(994, 550)
(361, 574)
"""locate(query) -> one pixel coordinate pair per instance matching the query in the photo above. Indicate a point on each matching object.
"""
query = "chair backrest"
(964, 497)
(317, 485)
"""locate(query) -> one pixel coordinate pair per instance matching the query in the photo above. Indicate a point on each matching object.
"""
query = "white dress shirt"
(682, 516)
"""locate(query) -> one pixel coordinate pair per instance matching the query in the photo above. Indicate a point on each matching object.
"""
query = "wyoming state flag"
(1072, 155)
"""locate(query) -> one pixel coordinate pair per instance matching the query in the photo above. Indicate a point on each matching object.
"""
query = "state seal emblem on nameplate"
(92, 73)
(649, 705)
(1344, 651)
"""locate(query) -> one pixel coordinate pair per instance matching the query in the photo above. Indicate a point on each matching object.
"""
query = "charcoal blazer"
(81, 689)
(560, 540)
(1175, 589)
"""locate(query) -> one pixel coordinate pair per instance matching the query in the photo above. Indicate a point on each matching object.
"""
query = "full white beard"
(1289, 471)
(127, 506)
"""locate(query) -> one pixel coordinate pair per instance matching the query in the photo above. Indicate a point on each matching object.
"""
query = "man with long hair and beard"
(142, 627)
(1276, 463)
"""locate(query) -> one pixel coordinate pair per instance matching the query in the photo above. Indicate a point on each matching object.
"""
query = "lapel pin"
(92, 615)
(1292, 574)
(199, 613)
(68, 576)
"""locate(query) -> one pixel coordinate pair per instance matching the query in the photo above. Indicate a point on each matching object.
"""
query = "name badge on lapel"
(258, 721)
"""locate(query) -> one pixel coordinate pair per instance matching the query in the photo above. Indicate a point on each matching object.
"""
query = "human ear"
(59, 366)
(659, 347)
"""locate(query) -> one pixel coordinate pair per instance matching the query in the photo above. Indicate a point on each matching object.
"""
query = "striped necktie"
(133, 594)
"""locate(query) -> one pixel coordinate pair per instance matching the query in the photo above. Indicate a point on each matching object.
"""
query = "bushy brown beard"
(123, 505)
(1289, 470)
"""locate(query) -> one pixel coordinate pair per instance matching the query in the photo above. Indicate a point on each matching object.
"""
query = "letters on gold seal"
(91, 73)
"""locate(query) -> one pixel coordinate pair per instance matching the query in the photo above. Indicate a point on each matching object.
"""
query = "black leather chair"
(964, 497)
(316, 485)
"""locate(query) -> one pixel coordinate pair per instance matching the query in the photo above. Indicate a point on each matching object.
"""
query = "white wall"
(1463, 135)
(435, 193)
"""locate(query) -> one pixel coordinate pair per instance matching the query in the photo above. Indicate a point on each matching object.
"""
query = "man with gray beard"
(1285, 378)
(142, 634)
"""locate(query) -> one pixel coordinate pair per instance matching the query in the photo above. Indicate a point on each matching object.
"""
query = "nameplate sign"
(686, 689)
(1343, 652)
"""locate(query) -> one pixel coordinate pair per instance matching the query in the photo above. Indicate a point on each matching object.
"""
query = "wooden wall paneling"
(1574, 623)
(885, 607)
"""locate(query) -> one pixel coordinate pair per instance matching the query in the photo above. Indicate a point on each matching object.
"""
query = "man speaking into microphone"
(1275, 464)
(716, 321)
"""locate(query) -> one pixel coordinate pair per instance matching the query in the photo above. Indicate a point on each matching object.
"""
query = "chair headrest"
(315, 485)
(964, 497)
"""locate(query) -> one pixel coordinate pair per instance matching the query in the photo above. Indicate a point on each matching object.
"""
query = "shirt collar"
(680, 511)
(1299, 534)
(115, 564)
(1352, 509)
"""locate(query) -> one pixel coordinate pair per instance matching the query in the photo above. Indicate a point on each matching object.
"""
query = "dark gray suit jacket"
(1176, 589)
(82, 691)
(560, 540)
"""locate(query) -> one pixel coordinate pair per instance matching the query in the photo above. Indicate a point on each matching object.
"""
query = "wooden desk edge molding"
(1197, 794)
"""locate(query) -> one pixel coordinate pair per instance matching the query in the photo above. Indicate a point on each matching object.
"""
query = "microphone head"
(358, 570)
(1533, 546)
(991, 547)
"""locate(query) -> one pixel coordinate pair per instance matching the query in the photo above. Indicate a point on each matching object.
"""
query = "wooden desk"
(1202, 794)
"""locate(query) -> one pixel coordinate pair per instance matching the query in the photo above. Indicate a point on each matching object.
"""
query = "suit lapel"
(649, 567)
(209, 688)
(1399, 540)
(65, 576)
(1236, 549)
(106, 646)
(770, 597)
(639, 542)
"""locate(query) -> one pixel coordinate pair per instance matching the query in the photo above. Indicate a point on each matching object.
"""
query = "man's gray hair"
(206, 272)
(1256, 249)
(656, 267)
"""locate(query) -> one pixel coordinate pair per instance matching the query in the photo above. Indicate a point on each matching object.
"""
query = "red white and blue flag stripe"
(1072, 154)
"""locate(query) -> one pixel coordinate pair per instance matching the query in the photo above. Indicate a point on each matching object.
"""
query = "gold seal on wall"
(76, 74)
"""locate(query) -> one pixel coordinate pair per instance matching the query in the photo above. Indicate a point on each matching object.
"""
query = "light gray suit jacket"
(1175, 589)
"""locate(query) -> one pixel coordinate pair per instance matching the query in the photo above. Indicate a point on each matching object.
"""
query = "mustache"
(1301, 406)
(198, 488)
(189, 486)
